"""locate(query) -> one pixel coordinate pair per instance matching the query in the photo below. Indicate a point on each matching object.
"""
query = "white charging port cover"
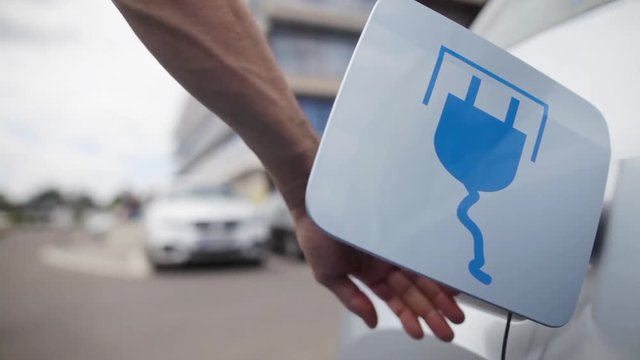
(446, 155)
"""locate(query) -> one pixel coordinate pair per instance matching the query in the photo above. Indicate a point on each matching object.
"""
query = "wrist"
(291, 174)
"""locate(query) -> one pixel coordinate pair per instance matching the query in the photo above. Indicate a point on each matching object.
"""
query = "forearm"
(215, 50)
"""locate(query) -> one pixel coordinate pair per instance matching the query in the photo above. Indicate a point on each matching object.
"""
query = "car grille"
(216, 225)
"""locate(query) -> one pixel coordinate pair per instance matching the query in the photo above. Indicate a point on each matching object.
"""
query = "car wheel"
(261, 257)
(292, 247)
(172, 259)
(155, 265)
(158, 268)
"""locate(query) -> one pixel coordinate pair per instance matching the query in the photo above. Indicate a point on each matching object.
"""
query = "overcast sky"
(83, 106)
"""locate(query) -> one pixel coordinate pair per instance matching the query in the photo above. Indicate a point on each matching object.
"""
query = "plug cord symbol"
(483, 153)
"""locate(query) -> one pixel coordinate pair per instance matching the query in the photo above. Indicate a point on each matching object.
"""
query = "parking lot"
(82, 299)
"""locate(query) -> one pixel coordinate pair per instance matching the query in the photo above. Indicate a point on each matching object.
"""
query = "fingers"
(353, 299)
(451, 292)
(407, 317)
(442, 299)
(421, 303)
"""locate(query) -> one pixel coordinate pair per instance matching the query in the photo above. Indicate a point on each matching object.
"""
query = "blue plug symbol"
(480, 151)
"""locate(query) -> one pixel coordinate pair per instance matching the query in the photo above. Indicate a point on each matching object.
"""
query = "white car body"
(182, 229)
(597, 55)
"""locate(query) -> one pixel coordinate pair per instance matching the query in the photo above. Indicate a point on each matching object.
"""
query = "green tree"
(48, 198)
(13, 210)
(5, 204)
(81, 204)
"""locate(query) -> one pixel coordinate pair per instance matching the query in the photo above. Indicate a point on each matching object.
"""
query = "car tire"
(159, 268)
(292, 247)
(261, 258)
(159, 265)
(156, 266)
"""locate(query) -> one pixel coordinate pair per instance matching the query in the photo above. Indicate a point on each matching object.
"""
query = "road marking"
(133, 266)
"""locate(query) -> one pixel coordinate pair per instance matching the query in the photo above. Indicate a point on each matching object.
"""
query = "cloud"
(83, 105)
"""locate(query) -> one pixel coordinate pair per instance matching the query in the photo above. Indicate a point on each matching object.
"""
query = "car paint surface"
(595, 55)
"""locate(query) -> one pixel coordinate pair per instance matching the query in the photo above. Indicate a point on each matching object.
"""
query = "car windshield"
(227, 191)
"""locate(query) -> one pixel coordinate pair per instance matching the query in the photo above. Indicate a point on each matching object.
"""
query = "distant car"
(204, 225)
(98, 223)
(283, 236)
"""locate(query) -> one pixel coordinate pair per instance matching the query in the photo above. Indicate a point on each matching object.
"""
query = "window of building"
(317, 111)
(310, 51)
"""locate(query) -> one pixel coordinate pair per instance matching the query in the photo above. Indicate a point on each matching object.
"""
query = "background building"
(313, 41)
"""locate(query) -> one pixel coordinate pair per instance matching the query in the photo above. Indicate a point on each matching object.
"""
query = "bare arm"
(215, 50)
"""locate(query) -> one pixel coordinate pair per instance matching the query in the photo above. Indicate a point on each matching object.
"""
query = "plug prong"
(474, 87)
(512, 112)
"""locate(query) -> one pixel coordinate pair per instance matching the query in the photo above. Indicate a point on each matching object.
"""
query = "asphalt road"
(221, 312)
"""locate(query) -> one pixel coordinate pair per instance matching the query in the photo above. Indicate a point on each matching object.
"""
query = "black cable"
(506, 336)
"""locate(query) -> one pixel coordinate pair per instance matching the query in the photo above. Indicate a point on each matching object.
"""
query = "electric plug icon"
(482, 152)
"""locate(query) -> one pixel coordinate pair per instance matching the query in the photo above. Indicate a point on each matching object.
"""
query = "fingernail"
(457, 319)
(366, 323)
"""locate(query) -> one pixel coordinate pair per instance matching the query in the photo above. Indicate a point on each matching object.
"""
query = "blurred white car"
(204, 225)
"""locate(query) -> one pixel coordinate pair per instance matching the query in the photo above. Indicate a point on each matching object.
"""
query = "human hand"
(408, 295)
